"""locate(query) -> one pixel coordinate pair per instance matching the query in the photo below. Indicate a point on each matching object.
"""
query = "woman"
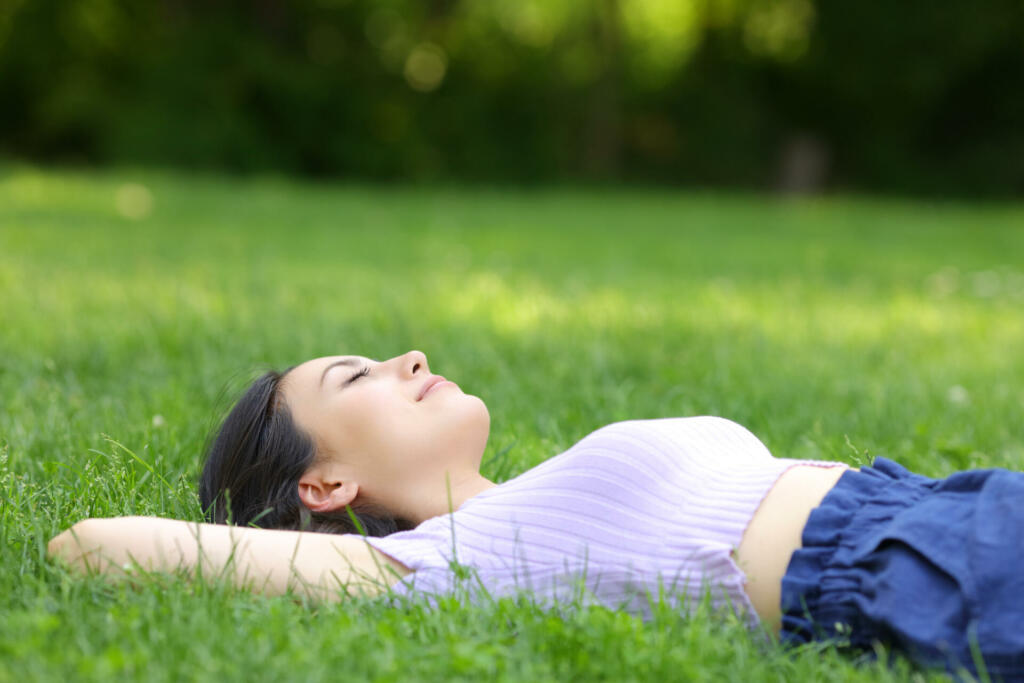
(693, 505)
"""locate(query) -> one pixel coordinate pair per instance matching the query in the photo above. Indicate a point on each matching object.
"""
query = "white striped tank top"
(634, 510)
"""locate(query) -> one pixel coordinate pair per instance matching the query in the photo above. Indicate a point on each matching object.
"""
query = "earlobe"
(343, 494)
(326, 496)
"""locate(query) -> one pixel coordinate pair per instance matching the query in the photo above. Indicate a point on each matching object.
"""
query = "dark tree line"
(915, 96)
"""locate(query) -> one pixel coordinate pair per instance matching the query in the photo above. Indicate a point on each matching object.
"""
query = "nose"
(413, 364)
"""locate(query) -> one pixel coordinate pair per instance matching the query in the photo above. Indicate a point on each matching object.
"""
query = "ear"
(322, 493)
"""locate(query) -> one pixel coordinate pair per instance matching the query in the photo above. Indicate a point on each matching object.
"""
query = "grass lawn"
(134, 305)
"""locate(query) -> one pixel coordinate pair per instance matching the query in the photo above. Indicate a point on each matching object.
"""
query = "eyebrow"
(344, 361)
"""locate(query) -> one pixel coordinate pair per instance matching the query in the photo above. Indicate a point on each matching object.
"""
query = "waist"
(774, 533)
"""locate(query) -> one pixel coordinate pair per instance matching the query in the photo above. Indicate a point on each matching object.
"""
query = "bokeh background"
(797, 95)
(569, 205)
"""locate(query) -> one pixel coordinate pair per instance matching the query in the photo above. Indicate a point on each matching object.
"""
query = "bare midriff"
(774, 534)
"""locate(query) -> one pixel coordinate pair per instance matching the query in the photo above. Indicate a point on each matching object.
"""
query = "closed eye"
(362, 373)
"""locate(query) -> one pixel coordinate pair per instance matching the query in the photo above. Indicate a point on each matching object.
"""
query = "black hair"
(253, 466)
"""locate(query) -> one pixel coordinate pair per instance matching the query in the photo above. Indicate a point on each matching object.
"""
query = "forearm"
(267, 561)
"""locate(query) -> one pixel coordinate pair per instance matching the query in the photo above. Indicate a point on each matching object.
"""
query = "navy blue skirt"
(931, 567)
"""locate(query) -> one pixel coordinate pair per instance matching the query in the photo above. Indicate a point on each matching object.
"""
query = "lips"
(434, 380)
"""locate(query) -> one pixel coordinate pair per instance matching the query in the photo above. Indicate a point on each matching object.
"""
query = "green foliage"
(134, 306)
(906, 97)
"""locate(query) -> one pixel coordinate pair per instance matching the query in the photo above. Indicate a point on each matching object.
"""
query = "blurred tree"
(794, 94)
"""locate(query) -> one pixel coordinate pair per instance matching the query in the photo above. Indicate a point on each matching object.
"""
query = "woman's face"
(391, 427)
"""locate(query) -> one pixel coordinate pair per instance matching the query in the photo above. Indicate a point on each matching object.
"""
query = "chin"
(470, 409)
(475, 419)
(481, 409)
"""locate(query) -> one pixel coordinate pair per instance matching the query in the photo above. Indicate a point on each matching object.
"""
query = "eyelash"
(362, 373)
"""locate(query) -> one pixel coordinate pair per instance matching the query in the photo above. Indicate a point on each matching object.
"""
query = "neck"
(455, 490)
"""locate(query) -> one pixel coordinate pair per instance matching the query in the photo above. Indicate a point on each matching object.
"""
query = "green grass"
(835, 328)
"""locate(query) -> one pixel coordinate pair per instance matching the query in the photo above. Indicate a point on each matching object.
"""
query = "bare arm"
(324, 566)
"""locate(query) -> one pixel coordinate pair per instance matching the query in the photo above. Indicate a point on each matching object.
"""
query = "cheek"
(394, 433)
(352, 422)
(379, 420)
